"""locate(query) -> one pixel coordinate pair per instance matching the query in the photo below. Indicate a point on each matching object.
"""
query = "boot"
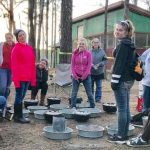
(42, 100)
(18, 114)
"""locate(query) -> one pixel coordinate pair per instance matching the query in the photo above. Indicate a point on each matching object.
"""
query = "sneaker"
(116, 139)
(138, 142)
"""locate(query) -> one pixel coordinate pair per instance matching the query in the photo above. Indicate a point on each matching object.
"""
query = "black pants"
(146, 132)
(40, 85)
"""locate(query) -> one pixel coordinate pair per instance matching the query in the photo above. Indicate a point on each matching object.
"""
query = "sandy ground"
(14, 136)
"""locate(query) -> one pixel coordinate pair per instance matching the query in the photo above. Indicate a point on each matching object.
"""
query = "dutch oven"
(29, 102)
(109, 107)
(81, 116)
(8, 107)
(35, 108)
(49, 116)
(53, 100)
(78, 101)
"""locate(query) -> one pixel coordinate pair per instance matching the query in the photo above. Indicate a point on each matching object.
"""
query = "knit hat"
(44, 59)
(17, 32)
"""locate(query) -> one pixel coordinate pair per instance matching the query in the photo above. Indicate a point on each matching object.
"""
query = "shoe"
(117, 139)
(138, 142)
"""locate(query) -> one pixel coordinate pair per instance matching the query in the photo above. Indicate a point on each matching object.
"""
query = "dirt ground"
(14, 136)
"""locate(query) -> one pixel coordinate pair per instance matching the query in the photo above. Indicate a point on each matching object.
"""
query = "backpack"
(136, 70)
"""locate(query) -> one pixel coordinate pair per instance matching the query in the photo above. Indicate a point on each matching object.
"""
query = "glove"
(114, 86)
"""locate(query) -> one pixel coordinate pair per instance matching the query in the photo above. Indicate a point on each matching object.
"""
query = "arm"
(119, 65)
(88, 68)
(104, 60)
(15, 68)
(73, 73)
(1, 53)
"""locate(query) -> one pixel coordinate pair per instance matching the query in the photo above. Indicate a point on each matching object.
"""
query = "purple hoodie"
(81, 62)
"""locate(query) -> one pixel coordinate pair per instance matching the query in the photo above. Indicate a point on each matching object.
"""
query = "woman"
(41, 81)
(97, 72)
(5, 64)
(23, 72)
(81, 63)
(122, 80)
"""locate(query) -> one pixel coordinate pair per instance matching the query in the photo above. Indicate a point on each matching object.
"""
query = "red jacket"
(23, 64)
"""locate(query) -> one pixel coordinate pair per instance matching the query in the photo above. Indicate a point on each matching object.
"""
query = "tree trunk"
(39, 27)
(47, 20)
(126, 9)
(66, 31)
(31, 10)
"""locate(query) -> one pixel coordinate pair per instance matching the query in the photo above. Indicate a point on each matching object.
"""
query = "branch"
(4, 6)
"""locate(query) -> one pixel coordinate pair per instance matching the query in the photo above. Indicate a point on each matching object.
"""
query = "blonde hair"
(82, 40)
(8, 34)
(128, 26)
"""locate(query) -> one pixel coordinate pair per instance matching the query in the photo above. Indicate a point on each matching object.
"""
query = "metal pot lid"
(109, 104)
(53, 113)
(53, 98)
(90, 128)
(37, 107)
(31, 100)
(90, 110)
(40, 112)
(58, 106)
(82, 113)
(49, 129)
(25, 111)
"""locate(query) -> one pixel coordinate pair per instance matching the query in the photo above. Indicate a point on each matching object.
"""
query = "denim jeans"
(5, 81)
(88, 89)
(146, 97)
(98, 91)
(2, 102)
(21, 92)
(122, 96)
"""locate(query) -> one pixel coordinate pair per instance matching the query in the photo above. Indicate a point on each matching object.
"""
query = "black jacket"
(123, 55)
(41, 75)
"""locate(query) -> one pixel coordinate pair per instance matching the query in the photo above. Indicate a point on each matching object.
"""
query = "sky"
(81, 7)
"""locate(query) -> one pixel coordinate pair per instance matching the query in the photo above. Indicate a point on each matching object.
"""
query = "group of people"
(17, 62)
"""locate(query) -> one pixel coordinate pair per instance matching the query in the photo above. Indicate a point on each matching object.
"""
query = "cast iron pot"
(109, 107)
(49, 116)
(53, 100)
(81, 116)
(79, 100)
(29, 102)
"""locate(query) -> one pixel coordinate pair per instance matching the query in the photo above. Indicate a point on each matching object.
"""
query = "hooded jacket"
(23, 64)
(122, 59)
(81, 62)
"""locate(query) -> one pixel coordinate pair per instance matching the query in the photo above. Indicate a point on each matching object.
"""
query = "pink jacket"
(81, 62)
(23, 64)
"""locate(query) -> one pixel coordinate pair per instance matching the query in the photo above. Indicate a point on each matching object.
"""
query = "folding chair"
(63, 78)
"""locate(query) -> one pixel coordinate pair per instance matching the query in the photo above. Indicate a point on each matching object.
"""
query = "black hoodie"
(123, 54)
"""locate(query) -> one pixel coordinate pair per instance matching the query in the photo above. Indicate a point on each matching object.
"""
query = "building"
(91, 25)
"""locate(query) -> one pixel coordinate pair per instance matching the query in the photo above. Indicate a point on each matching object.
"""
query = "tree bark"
(66, 31)
(126, 9)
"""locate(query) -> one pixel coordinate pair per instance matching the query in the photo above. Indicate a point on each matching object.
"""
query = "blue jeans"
(88, 89)
(21, 92)
(122, 96)
(146, 97)
(5, 81)
(98, 91)
(2, 102)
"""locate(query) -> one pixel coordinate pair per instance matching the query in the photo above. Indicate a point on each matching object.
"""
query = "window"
(80, 32)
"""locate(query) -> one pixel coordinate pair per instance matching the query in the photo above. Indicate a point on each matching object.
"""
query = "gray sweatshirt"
(145, 58)
(99, 59)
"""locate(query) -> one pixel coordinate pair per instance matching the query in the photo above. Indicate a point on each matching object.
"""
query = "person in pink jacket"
(23, 72)
(81, 63)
